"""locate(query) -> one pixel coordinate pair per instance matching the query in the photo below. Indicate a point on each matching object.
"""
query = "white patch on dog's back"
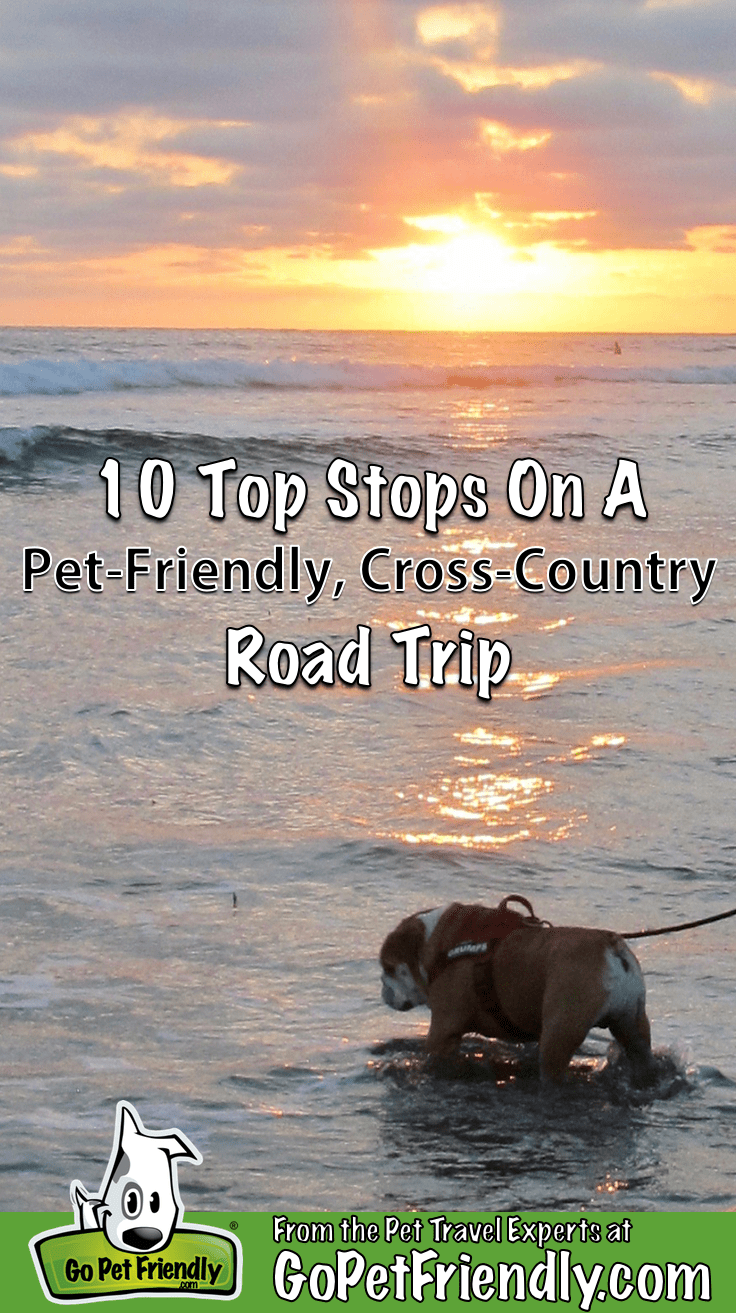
(623, 983)
(429, 919)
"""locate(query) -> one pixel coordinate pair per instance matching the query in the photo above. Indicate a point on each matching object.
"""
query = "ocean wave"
(62, 442)
(66, 377)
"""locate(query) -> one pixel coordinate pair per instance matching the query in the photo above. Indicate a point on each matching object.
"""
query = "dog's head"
(138, 1205)
(403, 975)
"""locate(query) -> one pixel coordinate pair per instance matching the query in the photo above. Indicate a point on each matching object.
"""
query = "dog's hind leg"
(626, 1015)
(633, 1034)
(573, 999)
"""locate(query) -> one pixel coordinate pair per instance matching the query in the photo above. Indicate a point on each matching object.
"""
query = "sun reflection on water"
(534, 683)
(486, 738)
(611, 1185)
(474, 546)
(502, 806)
(557, 624)
(480, 797)
(485, 801)
(584, 751)
(467, 616)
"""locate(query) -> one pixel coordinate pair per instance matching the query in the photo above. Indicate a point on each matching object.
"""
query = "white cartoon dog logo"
(138, 1205)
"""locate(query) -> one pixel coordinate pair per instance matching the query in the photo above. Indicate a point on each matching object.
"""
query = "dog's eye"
(155, 1202)
(132, 1199)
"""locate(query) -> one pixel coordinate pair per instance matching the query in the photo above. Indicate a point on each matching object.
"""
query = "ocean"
(196, 875)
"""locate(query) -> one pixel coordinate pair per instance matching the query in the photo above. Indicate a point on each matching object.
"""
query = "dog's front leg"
(441, 1043)
(443, 1052)
(448, 1025)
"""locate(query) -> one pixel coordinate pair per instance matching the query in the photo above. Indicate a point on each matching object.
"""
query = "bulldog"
(507, 975)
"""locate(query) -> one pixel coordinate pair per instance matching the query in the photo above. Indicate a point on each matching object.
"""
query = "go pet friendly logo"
(127, 1240)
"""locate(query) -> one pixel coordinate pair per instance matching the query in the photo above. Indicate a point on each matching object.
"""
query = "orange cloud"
(502, 139)
(127, 143)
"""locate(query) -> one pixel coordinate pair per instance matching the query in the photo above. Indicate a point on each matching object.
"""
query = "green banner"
(577, 1261)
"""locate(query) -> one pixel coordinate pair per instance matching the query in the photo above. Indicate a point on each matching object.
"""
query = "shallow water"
(196, 880)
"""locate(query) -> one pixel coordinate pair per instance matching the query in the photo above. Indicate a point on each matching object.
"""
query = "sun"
(471, 261)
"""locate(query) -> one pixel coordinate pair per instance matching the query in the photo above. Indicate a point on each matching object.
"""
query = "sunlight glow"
(467, 280)
(473, 261)
(438, 223)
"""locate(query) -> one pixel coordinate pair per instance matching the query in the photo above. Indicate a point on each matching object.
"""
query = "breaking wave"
(68, 377)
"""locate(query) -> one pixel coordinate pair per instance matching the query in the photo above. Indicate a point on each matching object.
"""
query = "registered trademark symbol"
(233, 1226)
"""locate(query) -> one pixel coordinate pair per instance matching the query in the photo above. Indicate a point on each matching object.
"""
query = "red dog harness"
(476, 931)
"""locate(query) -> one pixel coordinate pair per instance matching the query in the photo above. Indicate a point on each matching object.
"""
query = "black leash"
(684, 925)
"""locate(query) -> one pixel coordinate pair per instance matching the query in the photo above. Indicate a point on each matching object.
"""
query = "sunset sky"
(528, 164)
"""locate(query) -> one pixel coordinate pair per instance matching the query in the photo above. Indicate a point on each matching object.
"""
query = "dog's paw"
(663, 1078)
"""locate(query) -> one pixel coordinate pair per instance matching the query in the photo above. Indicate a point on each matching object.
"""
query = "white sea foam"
(73, 376)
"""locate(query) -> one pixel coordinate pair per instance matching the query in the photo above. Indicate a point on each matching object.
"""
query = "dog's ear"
(405, 943)
(132, 1131)
(178, 1146)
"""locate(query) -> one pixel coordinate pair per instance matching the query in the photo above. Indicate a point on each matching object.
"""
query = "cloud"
(319, 126)
(634, 104)
(502, 139)
(137, 144)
